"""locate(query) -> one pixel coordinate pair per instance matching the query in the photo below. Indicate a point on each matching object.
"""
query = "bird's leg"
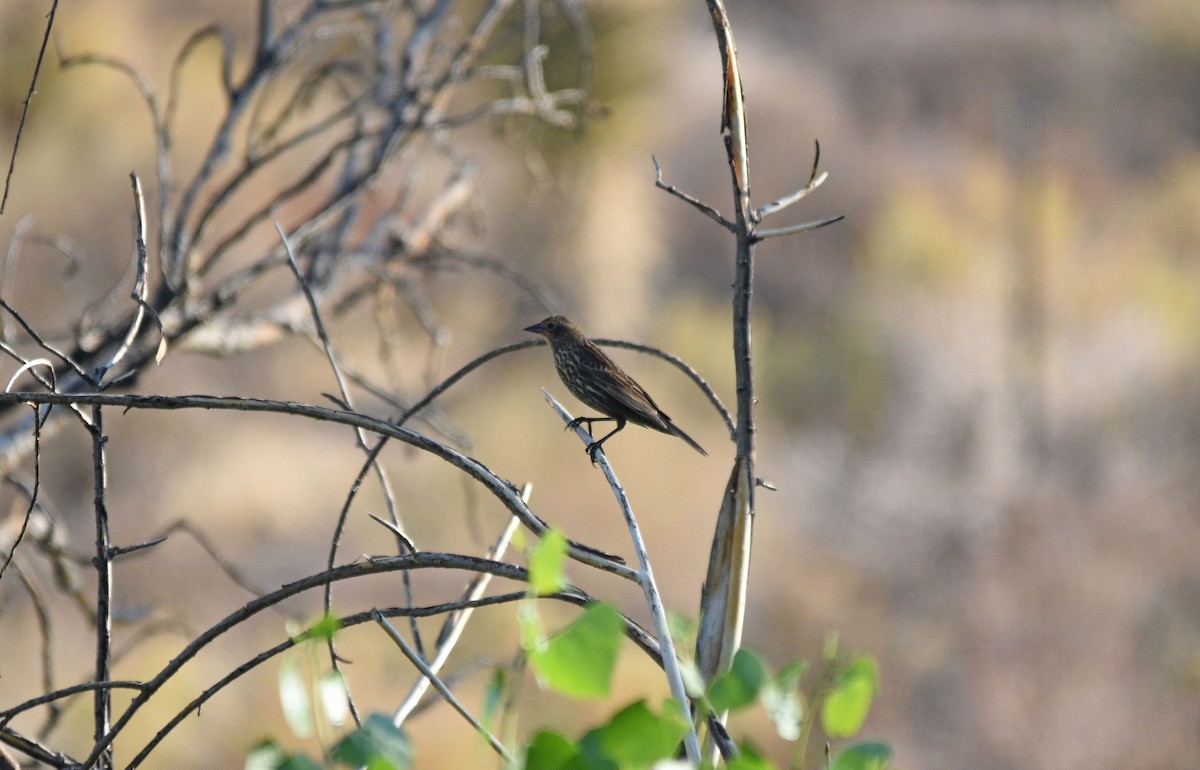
(589, 420)
(595, 445)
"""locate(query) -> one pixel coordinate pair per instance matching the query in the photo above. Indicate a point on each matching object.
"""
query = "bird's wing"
(632, 395)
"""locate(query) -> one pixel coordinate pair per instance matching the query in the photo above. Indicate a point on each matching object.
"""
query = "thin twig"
(633, 631)
(35, 750)
(815, 180)
(503, 490)
(684, 367)
(704, 208)
(139, 281)
(8, 268)
(423, 560)
(804, 227)
(206, 544)
(46, 635)
(670, 662)
(404, 542)
(44, 345)
(37, 68)
(453, 627)
(441, 687)
(38, 419)
(102, 709)
(49, 697)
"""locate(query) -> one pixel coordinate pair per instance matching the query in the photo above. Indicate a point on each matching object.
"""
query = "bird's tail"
(675, 431)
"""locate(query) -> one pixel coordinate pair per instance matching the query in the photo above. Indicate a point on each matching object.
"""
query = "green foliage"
(334, 698)
(740, 685)
(546, 563)
(322, 630)
(750, 759)
(783, 701)
(636, 737)
(267, 755)
(845, 707)
(293, 697)
(868, 755)
(493, 697)
(580, 660)
(377, 745)
(297, 694)
(552, 751)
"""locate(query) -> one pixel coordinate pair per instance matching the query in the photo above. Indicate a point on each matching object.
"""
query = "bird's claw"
(580, 421)
(591, 450)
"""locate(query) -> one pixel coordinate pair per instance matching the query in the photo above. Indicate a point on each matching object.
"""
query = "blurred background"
(978, 394)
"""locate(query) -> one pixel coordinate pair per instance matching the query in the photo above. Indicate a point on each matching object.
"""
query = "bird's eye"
(551, 326)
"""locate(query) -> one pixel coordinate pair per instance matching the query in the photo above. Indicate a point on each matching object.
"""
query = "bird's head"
(556, 328)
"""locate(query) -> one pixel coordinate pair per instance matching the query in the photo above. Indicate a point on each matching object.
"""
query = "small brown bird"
(596, 380)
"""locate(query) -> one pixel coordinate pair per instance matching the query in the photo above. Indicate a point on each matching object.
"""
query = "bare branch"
(35, 750)
(139, 281)
(37, 68)
(46, 346)
(453, 627)
(814, 181)
(424, 560)
(684, 367)
(670, 661)
(441, 687)
(503, 490)
(102, 702)
(760, 235)
(704, 208)
(37, 470)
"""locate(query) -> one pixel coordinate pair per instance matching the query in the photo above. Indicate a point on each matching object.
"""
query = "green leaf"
(324, 628)
(531, 626)
(546, 564)
(293, 697)
(298, 762)
(636, 737)
(579, 661)
(739, 686)
(551, 751)
(693, 680)
(683, 630)
(868, 755)
(784, 702)
(267, 755)
(846, 706)
(749, 759)
(335, 700)
(493, 697)
(378, 744)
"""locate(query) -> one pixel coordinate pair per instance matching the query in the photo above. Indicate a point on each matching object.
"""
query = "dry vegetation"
(978, 393)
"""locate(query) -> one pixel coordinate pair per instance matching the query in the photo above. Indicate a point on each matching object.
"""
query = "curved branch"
(505, 491)
(425, 560)
(670, 662)
(633, 631)
(682, 366)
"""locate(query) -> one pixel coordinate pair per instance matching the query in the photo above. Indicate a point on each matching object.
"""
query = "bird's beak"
(535, 329)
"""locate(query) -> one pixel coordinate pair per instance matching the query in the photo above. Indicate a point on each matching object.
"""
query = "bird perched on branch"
(597, 381)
